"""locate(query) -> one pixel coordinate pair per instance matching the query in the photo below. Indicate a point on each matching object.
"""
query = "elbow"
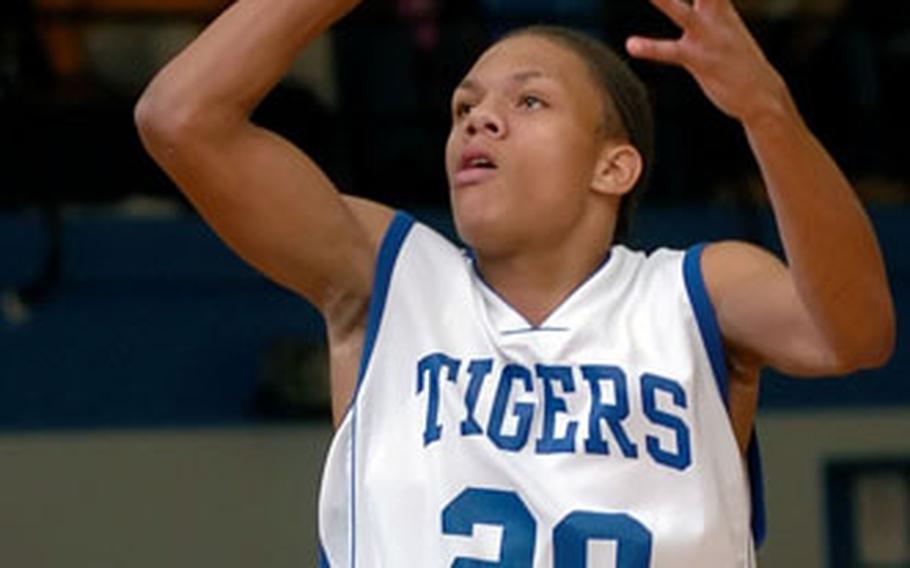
(885, 343)
(872, 348)
(171, 123)
(161, 124)
(148, 121)
(148, 115)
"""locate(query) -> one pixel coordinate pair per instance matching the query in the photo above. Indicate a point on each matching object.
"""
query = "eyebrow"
(520, 77)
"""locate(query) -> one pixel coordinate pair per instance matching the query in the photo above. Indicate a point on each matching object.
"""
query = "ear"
(617, 170)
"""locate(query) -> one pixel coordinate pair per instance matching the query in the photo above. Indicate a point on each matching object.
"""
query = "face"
(524, 145)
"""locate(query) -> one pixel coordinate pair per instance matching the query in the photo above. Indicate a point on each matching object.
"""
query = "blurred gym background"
(161, 404)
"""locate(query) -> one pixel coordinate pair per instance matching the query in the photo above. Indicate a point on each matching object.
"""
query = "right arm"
(264, 197)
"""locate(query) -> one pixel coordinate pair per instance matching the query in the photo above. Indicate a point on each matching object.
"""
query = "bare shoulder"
(373, 217)
(347, 315)
(762, 318)
(732, 263)
(745, 284)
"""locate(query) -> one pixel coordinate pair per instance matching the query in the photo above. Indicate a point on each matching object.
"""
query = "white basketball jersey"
(597, 439)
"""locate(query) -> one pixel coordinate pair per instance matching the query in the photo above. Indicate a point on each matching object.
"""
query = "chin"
(472, 229)
(467, 229)
(482, 233)
(481, 219)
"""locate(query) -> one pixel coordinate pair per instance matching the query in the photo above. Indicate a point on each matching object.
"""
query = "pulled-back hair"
(624, 98)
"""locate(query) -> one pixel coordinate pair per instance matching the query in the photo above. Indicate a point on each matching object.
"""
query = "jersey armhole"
(382, 276)
(391, 246)
(385, 264)
(713, 342)
(705, 317)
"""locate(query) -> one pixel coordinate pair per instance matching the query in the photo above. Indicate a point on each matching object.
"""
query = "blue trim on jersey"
(710, 334)
(388, 254)
(385, 263)
(535, 330)
(323, 560)
(757, 487)
(704, 315)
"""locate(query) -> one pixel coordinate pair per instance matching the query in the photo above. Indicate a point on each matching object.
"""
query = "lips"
(476, 159)
(475, 166)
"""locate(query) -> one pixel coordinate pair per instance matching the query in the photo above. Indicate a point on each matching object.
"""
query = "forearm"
(230, 67)
(831, 248)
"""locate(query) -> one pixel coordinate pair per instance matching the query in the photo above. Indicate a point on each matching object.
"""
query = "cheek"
(553, 162)
(449, 153)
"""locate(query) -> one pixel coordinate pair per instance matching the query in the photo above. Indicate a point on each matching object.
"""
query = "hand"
(718, 51)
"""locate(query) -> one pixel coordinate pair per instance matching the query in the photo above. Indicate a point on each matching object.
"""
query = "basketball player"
(547, 399)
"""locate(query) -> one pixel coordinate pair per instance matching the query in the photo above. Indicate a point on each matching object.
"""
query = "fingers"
(679, 11)
(660, 50)
(712, 4)
(682, 13)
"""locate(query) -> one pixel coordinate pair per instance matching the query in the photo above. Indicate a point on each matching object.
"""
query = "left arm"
(829, 309)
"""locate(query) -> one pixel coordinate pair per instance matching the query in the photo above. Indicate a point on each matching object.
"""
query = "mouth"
(475, 166)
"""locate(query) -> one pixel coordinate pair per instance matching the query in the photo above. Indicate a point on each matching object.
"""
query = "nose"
(484, 119)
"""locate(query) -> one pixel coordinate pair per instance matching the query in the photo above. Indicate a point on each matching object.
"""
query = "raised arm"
(262, 195)
(829, 309)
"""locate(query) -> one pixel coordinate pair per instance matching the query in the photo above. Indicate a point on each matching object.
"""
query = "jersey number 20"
(570, 536)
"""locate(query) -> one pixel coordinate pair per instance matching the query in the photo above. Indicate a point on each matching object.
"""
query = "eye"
(461, 109)
(531, 102)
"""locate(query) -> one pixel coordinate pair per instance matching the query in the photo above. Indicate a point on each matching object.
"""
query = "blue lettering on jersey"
(548, 443)
(650, 385)
(524, 411)
(512, 412)
(478, 369)
(428, 370)
(613, 414)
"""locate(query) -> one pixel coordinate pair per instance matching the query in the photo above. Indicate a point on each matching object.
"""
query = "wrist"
(770, 107)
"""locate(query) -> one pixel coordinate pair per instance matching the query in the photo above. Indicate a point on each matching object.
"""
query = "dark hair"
(624, 96)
